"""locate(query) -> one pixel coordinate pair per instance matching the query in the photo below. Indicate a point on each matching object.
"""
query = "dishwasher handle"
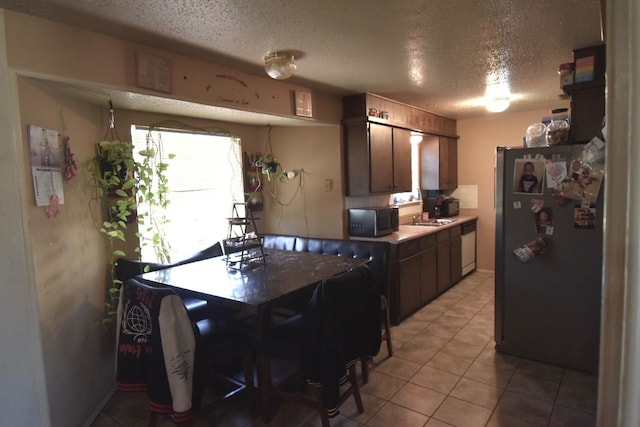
(468, 227)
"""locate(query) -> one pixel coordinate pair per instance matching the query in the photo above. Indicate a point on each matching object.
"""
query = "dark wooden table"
(253, 290)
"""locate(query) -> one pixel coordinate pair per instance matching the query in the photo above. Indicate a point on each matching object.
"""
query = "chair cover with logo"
(155, 348)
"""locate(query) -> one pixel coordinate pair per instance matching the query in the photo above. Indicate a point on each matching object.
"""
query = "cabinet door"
(409, 286)
(448, 163)
(428, 275)
(429, 163)
(401, 160)
(443, 254)
(380, 159)
(456, 258)
(438, 163)
(356, 152)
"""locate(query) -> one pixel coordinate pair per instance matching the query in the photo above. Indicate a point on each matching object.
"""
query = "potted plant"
(120, 183)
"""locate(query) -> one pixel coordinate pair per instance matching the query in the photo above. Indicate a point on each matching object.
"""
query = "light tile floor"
(444, 372)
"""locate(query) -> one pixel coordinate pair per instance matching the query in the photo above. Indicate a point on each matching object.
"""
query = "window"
(204, 179)
(399, 198)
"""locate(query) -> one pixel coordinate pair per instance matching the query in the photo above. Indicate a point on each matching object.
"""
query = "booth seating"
(376, 252)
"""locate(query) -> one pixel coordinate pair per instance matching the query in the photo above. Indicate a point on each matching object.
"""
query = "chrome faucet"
(415, 220)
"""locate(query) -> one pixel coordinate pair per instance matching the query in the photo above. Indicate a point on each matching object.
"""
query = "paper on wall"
(44, 152)
(467, 195)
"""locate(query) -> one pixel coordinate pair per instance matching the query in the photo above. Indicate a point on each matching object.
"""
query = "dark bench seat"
(376, 252)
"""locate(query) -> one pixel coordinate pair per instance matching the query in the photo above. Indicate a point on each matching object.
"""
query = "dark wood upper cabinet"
(377, 136)
(438, 163)
(401, 160)
(386, 111)
(378, 159)
(381, 158)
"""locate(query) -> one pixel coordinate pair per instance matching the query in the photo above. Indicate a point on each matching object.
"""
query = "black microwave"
(450, 207)
(373, 222)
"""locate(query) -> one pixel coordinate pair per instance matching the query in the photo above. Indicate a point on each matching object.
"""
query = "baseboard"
(96, 412)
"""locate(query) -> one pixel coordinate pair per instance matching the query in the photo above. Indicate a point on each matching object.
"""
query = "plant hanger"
(111, 128)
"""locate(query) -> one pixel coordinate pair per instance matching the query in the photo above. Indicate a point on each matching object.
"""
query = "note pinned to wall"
(46, 167)
(468, 196)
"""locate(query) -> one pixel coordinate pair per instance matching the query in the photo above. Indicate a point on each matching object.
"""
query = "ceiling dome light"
(498, 104)
(279, 65)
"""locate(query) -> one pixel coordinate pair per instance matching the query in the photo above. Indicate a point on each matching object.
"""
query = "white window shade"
(204, 178)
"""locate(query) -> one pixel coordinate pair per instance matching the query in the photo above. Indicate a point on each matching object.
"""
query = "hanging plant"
(113, 184)
(152, 190)
(121, 183)
(268, 165)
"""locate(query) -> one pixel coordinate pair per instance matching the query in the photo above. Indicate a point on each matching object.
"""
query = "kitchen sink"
(435, 222)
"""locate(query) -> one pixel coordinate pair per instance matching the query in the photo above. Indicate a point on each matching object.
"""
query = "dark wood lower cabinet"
(422, 269)
(456, 254)
(409, 269)
(428, 276)
(444, 260)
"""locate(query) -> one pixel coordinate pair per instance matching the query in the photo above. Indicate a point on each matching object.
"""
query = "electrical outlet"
(327, 185)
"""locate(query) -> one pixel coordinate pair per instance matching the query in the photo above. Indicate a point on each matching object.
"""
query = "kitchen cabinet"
(588, 97)
(377, 109)
(409, 276)
(428, 269)
(456, 253)
(587, 111)
(438, 163)
(443, 255)
(378, 159)
(424, 267)
(449, 256)
(416, 273)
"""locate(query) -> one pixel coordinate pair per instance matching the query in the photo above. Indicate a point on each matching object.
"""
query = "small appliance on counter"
(373, 222)
(450, 207)
(438, 205)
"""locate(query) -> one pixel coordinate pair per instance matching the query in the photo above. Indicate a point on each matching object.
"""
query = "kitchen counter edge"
(409, 232)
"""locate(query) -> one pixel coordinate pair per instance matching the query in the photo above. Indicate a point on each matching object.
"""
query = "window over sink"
(412, 196)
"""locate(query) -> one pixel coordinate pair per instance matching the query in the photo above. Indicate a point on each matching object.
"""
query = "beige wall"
(68, 54)
(67, 259)
(69, 264)
(479, 138)
(313, 211)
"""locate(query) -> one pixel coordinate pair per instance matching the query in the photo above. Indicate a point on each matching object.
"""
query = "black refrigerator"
(548, 264)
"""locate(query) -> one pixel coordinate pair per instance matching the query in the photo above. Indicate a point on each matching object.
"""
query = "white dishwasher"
(468, 247)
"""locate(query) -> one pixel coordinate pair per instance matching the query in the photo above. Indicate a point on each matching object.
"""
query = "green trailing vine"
(152, 189)
(269, 166)
(121, 184)
(113, 184)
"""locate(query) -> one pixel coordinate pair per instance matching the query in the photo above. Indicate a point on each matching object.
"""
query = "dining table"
(252, 290)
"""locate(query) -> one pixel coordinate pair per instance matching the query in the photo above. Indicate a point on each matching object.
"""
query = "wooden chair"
(386, 336)
(161, 351)
(340, 325)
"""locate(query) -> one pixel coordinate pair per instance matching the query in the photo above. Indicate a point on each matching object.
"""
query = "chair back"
(212, 251)
(127, 268)
(341, 325)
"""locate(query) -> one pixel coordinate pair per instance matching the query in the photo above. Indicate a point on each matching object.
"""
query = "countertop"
(408, 232)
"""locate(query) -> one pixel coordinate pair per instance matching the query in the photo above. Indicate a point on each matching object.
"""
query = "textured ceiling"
(434, 54)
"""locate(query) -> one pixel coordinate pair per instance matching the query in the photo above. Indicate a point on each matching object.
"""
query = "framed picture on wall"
(303, 102)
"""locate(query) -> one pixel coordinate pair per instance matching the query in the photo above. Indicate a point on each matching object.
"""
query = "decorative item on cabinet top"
(375, 108)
